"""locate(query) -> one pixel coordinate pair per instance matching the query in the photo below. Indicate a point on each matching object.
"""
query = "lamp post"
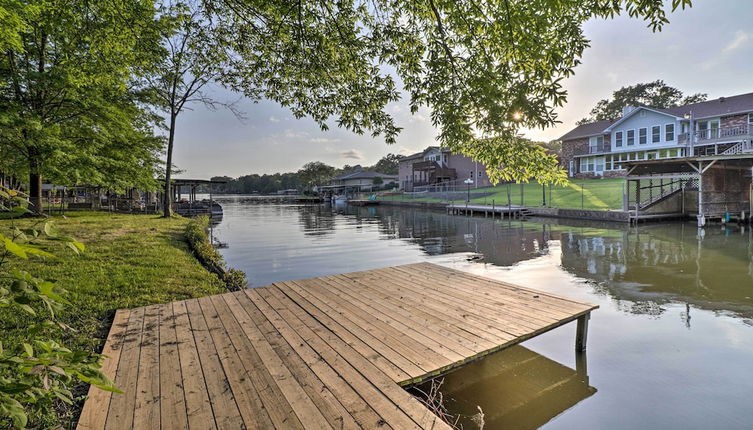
(468, 182)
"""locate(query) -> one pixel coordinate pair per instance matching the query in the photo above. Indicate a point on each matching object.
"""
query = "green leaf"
(14, 248)
(48, 230)
(72, 246)
(46, 288)
(35, 250)
(28, 350)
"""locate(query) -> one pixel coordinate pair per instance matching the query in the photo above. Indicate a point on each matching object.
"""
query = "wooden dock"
(329, 352)
(509, 211)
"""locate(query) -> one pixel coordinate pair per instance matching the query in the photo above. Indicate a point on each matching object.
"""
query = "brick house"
(717, 127)
(439, 166)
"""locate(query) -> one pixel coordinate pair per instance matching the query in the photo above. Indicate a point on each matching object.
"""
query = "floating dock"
(363, 202)
(510, 211)
(329, 352)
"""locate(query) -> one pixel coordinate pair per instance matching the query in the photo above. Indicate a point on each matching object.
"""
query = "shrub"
(198, 239)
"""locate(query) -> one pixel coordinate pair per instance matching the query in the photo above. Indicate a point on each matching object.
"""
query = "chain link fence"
(594, 194)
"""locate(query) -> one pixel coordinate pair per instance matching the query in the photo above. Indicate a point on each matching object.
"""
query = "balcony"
(715, 135)
(594, 149)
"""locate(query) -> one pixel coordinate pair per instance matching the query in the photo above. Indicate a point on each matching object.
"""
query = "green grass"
(596, 194)
(130, 260)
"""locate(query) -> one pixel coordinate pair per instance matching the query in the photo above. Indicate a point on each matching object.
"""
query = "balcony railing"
(713, 135)
(598, 149)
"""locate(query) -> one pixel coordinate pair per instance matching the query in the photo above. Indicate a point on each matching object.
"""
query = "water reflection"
(515, 388)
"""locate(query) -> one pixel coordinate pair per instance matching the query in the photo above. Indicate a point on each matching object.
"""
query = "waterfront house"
(436, 166)
(714, 127)
(692, 160)
(362, 180)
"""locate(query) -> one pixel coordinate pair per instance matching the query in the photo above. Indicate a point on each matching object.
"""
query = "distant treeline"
(261, 184)
(310, 175)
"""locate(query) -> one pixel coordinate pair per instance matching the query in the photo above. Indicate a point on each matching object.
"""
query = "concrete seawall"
(611, 216)
(616, 216)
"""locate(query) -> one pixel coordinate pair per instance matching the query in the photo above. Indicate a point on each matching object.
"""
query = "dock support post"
(581, 334)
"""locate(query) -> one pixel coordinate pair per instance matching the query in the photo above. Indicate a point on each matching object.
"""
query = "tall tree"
(315, 173)
(654, 94)
(484, 69)
(388, 164)
(193, 57)
(63, 82)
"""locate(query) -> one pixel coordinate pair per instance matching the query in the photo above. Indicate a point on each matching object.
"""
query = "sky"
(707, 48)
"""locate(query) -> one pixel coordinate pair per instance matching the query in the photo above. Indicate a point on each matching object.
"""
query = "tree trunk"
(168, 195)
(35, 184)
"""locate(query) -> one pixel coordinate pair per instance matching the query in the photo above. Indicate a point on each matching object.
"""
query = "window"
(599, 164)
(479, 173)
(655, 134)
(583, 165)
(596, 144)
(631, 137)
(669, 132)
(642, 136)
(750, 118)
(618, 138)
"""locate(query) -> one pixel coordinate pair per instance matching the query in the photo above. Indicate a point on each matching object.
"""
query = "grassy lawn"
(597, 194)
(130, 260)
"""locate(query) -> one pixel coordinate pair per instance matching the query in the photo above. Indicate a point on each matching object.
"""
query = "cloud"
(274, 119)
(741, 39)
(323, 140)
(292, 134)
(352, 154)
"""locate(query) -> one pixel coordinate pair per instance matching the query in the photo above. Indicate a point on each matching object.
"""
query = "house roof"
(363, 174)
(590, 129)
(421, 154)
(633, 112)
(741, 103)
(722, 106)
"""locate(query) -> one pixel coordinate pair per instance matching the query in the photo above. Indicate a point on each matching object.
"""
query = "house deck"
(329, 352)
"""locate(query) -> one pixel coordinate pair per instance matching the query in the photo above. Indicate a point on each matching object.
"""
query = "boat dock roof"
(329, 352)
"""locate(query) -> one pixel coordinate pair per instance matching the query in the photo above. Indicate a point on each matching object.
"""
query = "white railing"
(714, 134)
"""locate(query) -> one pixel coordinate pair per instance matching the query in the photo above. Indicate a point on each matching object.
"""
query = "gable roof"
(363, 174)
(634, 111)
(587, 130)
(422, 153)
(741, 103)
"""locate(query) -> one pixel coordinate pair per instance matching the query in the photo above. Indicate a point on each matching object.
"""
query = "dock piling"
(581, 334)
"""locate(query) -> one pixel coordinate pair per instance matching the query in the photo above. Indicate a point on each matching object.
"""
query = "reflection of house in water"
(502, 243)
(666, 261)
(516, 388)
(316, 220)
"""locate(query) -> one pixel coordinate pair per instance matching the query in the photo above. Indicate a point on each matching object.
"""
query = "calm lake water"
(671, 346)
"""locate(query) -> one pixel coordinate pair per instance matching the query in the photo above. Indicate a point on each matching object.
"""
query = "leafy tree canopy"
(484, 69)
(388, 164)
(315, 173)
(65, 101)
(654, 94)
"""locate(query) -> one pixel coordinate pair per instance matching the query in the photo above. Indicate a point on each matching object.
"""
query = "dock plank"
(330, 352)
(94, 414)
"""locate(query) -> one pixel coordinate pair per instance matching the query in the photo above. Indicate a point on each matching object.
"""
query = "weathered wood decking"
(329, 352)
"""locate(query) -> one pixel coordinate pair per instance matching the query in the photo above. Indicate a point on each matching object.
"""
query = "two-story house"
(439, 166)
(717, 127)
